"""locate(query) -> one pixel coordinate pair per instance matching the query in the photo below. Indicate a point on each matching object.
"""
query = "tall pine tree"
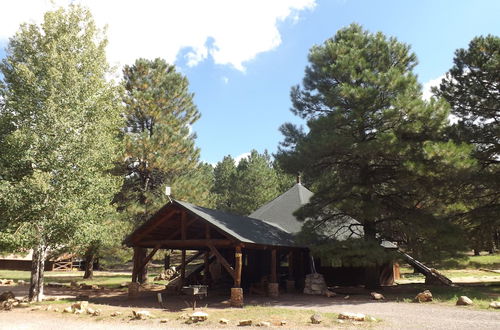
(374, 150)
(472, 88)
(160, 149)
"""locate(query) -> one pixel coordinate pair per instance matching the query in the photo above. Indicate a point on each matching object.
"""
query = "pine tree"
(60, 127)
(472, 88)
(224, 175)
(374, 150)
(160, 149)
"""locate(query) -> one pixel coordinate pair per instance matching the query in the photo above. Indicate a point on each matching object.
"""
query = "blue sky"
(242, 57)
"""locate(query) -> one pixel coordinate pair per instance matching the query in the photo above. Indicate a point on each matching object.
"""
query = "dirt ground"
(394, 315)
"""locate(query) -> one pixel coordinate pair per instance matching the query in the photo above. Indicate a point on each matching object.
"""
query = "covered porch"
(254, 255)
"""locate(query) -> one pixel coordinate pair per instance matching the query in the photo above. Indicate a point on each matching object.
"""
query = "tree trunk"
(89, 263)
(37, 272)
(140, 275)
(476, 252)
(372, 279)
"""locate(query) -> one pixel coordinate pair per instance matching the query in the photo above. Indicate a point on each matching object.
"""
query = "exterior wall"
(13, 264)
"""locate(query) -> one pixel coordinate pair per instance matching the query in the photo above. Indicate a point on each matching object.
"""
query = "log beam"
(187, 244)
(222, 260)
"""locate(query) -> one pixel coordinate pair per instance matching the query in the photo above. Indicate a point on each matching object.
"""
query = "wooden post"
(290, 282)
(290, 265)
(183, 255)
(206, 270)
(238, 261)
(274, 278)
(273, 286)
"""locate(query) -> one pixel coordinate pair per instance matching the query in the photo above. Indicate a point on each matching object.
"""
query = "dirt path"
(394, 315)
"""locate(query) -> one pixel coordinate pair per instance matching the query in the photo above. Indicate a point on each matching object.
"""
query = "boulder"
(7, 295)
(377, 296)
(198, 316)
(283, 322)
(56, 309)
(347, 297)
(68, 310)
(223, 321)
(116, 314)
(316, 319)
(23, 304)
(77, 311)
(424, 296)
(464, 301)
(163, 321)
(6, 305)
(21, 282)
(263, 324)
(245, 323)
(141, 315)
(352, 316)
(80, 305)
(90, 310)
(97, 312)
(330, 294)
(495, 304)
(36, 308)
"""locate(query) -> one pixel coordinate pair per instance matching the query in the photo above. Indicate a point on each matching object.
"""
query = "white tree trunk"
(37, 271)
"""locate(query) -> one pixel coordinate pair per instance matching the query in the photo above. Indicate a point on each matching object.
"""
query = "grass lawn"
(106, 279)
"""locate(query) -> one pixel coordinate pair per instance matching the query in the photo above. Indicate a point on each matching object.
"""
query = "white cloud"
(426, 88)
(240, 157)
(238, 30)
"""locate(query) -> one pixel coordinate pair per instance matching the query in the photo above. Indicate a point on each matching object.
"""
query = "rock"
(80, 305)
(495, 304)
(123, 285)
(21, 282)
(97, 312)
(223, 321)
(347, 297)
(49, 307)
(283, 322)
(7, 295)
(141, 315)
(163, 321)
(6, 305)
(74, 284)
(371, 319)
(244, 323)
(78, 311)
(263, 324)
(84, 286)
(56, 309)
(330, 294)
(352, 316)
(68, 310)
(90, 310)
(424, 296)
(316, 319)
(198, 316)
(377, 296)
(116, 314)
(340, 321)
(36, 308)
(464, 301)
(23, 304)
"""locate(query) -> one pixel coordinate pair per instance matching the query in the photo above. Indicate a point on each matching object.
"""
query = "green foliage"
(471, 87)
(59, 132)
(375, 151)
(160, 150)
(244, 188)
